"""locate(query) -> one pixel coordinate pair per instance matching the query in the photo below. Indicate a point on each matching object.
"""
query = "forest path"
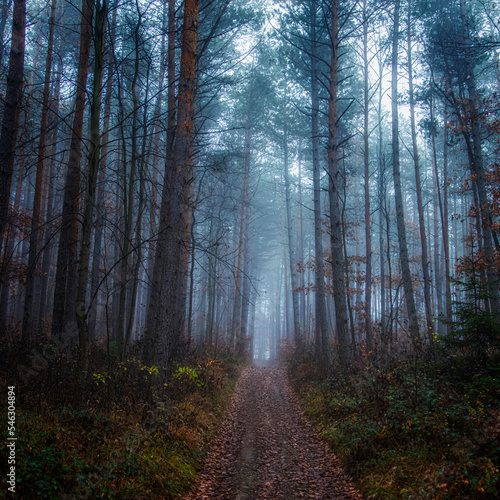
(266, 449)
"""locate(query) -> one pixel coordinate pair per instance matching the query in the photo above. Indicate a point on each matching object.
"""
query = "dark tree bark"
(10, 119)
(129, 201)
(100, 222)
(93, 171)
(366, 161)
(8, 137)
(175, 211)
(484, 204)
(48, 244)
(321, 332)
(338, 280)
(418, 185)
(438, 275)
(29, 287)
(153, 305)
(445, 217)
(154, 145)
(403, 246)
(63, 316)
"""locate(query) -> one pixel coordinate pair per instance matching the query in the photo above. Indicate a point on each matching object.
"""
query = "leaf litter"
(265, 448)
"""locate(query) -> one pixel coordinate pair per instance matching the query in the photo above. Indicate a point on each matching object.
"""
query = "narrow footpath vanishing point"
(266, 448)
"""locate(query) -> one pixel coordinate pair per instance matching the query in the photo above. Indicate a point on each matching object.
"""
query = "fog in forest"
(255, 179)
(289, 125)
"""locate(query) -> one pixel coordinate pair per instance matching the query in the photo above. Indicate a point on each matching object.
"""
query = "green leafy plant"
(189, 374)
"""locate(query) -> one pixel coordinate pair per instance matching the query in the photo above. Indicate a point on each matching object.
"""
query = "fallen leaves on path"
(265, 448)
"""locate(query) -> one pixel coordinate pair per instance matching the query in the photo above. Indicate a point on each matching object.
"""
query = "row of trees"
(234, 173)
(438, 63)
(94, 246)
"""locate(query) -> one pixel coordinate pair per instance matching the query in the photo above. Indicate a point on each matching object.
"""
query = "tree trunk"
(478, 168)
(4, 12)
(154, 144)
(338, 281)
(63, 316)
(138, 260)
(418, 185)
(300, 250)
(175, 212)
(10, 120)
(212, 280)
(9, 252)
(350, 309)
(384, 337)
(153, 306)
(29, 287)
(243, 237)
(321, 331)
(100, 208)
(445, 219)
(245, 296)
(192, 265)
(297, 333)
(403, 247)
(48, 244)
(93, 171)
(436, 199)
(128, 196)
(366, 160)
(277, 328)
(443, 212)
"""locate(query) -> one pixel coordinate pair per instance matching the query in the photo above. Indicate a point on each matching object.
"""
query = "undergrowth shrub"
(129, 438)
(426, 425)
(408, 430)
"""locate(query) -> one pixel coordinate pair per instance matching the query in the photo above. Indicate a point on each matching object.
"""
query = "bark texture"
(403, 246)
(12, 105)
(322, 330)
(338, 279)
(63, 318)
(175, 213)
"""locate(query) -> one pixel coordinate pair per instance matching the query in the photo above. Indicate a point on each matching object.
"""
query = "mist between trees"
(236, 175)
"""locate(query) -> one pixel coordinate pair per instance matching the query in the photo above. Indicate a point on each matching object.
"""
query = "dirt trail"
(266, 449)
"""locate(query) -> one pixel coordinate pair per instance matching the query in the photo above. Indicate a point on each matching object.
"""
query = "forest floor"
(266, 449)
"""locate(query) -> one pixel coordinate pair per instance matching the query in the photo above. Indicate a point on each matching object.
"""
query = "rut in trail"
(266, 449)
